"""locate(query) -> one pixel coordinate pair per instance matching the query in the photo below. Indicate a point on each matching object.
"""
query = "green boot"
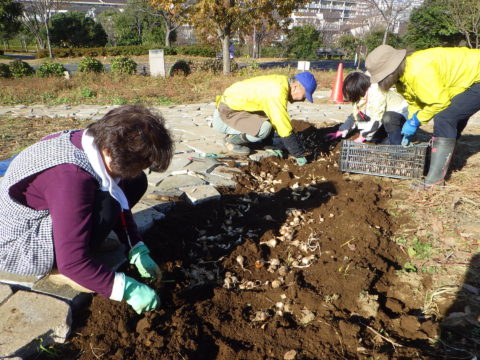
(442, 151)
(234, 144)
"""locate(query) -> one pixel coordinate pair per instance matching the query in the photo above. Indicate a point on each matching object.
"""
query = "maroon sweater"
(68, 193)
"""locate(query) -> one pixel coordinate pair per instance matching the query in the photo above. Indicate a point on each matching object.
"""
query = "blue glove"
(139, 257)
(301, 161)
(410, 127)
(139, 296)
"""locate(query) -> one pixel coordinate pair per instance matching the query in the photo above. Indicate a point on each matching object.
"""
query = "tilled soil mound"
(294, 263)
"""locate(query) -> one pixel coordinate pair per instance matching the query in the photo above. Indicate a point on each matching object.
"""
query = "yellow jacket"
(267, 93)
(433, 77)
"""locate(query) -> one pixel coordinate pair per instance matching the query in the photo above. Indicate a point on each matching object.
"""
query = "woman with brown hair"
(62, 196)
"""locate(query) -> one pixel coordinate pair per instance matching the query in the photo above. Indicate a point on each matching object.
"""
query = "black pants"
(451, 122)
(106, 210)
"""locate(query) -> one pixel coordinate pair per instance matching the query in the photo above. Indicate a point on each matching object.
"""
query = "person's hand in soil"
(301, 160)
(139, 296)
(336, 135)
(139, 256)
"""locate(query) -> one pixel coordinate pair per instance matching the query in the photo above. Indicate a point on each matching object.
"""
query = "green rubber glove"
(139, 296)
(301, 161)
(275, 152)
(139, 257)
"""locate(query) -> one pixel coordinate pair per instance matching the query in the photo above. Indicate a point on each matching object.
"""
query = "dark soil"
(332, 287)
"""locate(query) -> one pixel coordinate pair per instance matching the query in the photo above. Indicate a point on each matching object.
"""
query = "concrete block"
(145, 216)
(155, 178)
(5, 292)
(179, 182)
(199, 194)
(19, 280)
(113, 260)
(225, 172)
(28, 317)
(220, 181)
(205, 147)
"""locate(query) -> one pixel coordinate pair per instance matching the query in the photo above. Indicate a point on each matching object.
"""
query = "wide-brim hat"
(383, 61)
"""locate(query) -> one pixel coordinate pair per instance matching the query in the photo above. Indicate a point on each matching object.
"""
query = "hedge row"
(196, 50)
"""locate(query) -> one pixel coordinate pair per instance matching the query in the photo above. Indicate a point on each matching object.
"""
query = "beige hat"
(383, 61)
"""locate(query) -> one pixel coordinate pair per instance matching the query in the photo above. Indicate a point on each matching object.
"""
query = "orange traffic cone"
(337, 93)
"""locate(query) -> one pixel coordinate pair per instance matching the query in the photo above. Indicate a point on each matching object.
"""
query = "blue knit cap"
(308, 81)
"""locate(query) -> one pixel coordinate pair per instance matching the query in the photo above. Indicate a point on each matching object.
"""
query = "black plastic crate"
(393, 161)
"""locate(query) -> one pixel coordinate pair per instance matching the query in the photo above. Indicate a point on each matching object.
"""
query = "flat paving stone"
(226, 172)
(154, 178)
(199, 194)
(179, 182)
(145, 216)
(219, 181)
(19, 280)
(28, 317)
(205, 147)
(5, 292)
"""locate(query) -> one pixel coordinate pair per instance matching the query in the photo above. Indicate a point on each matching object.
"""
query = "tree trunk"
(254, 43)
(226, 54)
(167, 37)
(50, 53)
(385, 35)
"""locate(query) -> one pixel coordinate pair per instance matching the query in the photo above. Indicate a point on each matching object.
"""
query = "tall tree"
(391, 11)
(10, 24)
(226, 17)
(75, 29)
(429, 26)
(303, 42)
(36, 16)
(465, 15)
(174, 13)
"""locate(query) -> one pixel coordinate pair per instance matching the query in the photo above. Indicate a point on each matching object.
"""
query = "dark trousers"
(451, 122)
(106, 210)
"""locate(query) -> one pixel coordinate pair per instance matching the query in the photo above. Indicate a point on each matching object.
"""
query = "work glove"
(139, 296)
(360, 139)
(410, 127)
(336, 135)
(145, 265)
(275, 152)
(301, 161)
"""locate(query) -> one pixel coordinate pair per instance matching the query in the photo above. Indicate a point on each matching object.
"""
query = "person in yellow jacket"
(249, 110)
(438, 83)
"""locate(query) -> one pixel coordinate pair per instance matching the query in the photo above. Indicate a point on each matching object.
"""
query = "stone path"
(37, 312)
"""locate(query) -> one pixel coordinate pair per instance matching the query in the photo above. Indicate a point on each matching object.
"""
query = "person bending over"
(250, 110)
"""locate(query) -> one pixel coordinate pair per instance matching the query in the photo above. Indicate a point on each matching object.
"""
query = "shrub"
(5, 71)
(48, 68)
(216, 65)
(1, 52)
(124, 65)
(104, 51)
(20, 68)
(89, 64)
(196, 50)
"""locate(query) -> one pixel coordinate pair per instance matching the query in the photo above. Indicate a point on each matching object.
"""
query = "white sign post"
(156, 60)
(304, 65)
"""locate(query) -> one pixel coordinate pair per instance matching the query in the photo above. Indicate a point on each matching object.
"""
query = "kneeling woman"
(378, 115)
(62, 196)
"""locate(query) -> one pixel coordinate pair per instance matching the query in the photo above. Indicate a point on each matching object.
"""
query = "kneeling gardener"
(62, 196)
(249, 110)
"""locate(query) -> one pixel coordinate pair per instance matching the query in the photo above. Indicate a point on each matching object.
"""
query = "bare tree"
(174, 13)
(37, 14)
(391, 11)
(465, 16)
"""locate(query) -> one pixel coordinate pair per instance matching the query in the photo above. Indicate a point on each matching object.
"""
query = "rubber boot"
(442, 151)
(234, 144)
